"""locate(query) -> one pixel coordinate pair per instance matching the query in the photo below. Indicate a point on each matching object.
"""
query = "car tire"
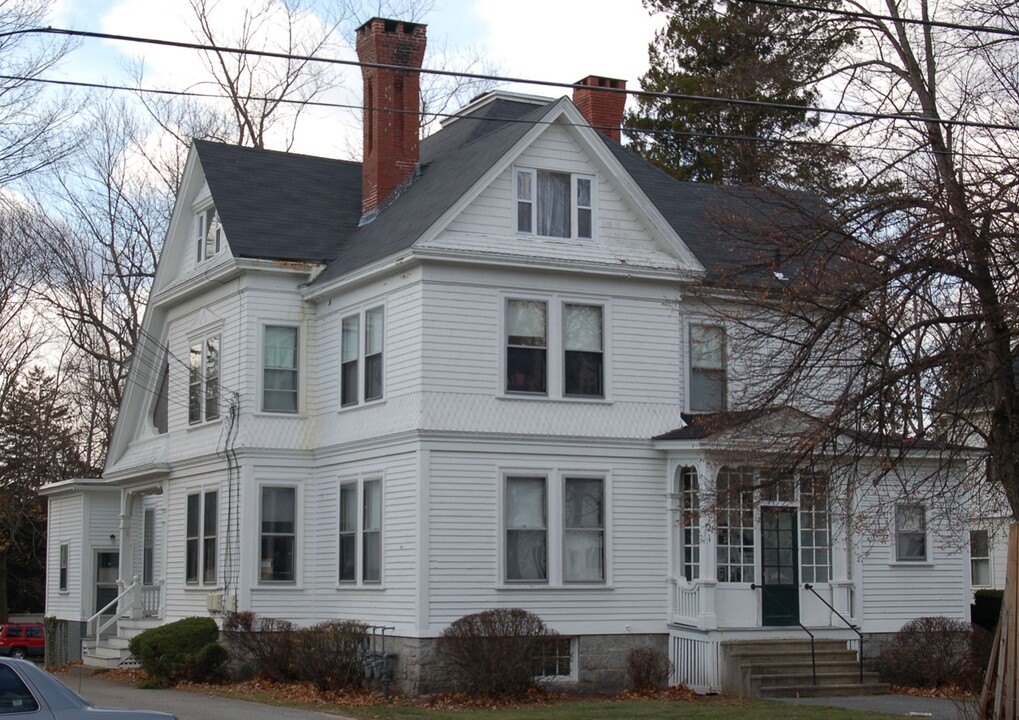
(19, 653)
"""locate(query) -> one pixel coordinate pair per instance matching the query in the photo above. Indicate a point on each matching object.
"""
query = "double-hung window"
(910, 533)
(365, 351)
(526, 346)
(554, 204)
(62, 586)
(278, 535)
(209, 234)
(203, 380)
(361, 544)
(707, 368)
(200, 541)
(564, 545)
(583, 351)
(979, 558)
(279, 369)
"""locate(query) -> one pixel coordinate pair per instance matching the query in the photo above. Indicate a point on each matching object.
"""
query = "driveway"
(936, 708)
(185, 705)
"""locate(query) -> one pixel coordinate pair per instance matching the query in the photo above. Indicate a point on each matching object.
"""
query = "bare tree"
(30, 119)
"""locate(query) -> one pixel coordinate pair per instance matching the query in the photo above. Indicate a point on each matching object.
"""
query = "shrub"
(330, 654)
(647, 667)
(931, 652)
(267, 642)
(493, 653)
(182, 650)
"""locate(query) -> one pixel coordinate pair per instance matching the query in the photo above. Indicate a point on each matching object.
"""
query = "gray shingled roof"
(297, 207)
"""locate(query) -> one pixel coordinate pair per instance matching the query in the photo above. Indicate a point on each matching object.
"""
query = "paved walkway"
(185, 705)
(937, 708)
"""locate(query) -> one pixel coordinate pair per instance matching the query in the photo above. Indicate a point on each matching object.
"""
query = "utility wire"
(864, 15)
(792, 107)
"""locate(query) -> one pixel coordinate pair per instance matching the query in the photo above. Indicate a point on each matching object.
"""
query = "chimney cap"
(390, 25)
(600, 81)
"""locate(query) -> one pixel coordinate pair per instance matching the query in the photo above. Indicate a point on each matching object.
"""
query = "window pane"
(978, 543)
(281, 347)
(351, 338)
(373, 377)
(209, 560)
(209, 524)
(524, 191)
(526, 323)
(277, 510)
(526, 554)
(372, 571)
(277, 558)
(524, 217)
(525, 502)
(582, 327)
(707, 347)
(348, 508)
(372, 505)
(554, 204)
(193, 504)
(348, 557)
(584, 223)
(583, 192)
(348, 387)
(707, 390)
(584, 504)
(212, 378)
(583, 555)
(981, 571)
(279, 392)
(373, 320)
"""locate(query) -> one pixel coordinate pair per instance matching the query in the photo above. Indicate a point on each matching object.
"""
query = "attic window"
(554, 204)
(209, 234)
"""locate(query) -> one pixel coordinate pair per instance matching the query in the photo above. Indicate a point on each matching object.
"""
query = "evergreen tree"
(742, 50)
(37, 446)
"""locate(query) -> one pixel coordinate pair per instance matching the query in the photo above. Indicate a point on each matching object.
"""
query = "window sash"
(348, 532)
(210, 521)
(212, 377)
(349, 352)
(690, 523)
(195, 383)
(371, 540)
(584, 207)
(526, 346)
(278, 534)
(553, 204)
(583, 357)
(707, 368)
(525, 201)
(192, 546)
(734, 525)
(64, 551)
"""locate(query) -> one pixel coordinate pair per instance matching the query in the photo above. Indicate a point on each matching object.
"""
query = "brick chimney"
(392, 101)
(603, 109)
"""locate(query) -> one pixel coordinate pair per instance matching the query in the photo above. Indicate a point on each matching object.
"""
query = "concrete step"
(838, 690)
(824, 679)
(801, 668)
(744, 647)
(785, 657)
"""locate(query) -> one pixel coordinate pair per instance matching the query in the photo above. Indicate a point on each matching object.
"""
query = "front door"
(107, 572)
(780, 597)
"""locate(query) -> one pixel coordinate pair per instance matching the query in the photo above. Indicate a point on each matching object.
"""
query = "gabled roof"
(283, 206)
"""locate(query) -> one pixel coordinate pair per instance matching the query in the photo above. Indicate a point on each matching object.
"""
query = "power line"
(771, 105)
(864, 15)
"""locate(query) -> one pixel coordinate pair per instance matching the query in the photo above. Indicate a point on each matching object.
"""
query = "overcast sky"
(557, 40)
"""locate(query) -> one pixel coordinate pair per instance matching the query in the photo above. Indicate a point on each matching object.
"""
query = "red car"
(22, 640)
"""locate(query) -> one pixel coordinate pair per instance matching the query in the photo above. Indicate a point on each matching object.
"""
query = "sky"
(556, 40)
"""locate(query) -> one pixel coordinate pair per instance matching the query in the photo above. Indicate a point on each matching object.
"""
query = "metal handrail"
(813, 652)
(851, 626)
(107, 606)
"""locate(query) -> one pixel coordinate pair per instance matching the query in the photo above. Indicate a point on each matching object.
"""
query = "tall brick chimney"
(392, 101)
(603, 109)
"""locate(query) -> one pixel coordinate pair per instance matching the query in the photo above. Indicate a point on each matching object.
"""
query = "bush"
(647, 668)
(493, 653)
(330, 654)
(931, 652)
(182, 650)
(267, 642)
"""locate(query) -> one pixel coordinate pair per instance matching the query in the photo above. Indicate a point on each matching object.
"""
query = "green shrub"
(493, 653)
(267, 642)
(931, 652)
(647, 667)
(330, 654)
(181, 650)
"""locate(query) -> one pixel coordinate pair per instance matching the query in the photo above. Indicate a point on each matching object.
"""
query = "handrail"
(851, 626)
(107, 606)
(813, 653)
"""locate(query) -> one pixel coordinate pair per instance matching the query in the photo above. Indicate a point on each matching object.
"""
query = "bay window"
(357, 351)
(554, 204)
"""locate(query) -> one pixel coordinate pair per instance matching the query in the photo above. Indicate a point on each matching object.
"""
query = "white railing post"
(707, 619)
(136, 609)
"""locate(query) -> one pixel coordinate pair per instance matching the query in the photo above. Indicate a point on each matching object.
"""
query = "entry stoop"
(783, 668)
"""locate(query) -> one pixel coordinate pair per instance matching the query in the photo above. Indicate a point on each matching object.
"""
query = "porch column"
(128, 605)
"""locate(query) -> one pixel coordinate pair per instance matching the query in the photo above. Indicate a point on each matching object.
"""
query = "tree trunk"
(3, 587)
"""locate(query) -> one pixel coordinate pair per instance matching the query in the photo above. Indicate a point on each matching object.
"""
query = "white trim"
(299, 518)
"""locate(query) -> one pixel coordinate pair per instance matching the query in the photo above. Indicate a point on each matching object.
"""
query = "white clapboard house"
(463, 374)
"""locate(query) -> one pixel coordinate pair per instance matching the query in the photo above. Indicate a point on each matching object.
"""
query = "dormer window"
(209, 239)
(554, 204)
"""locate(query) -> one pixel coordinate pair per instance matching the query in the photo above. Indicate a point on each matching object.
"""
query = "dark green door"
(780, 597)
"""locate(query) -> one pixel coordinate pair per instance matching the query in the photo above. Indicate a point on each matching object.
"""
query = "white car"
(31, 691)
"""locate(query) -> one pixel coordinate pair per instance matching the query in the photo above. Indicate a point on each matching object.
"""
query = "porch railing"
(133, 590)
(686, 601)
(150, 599)
(851, 626)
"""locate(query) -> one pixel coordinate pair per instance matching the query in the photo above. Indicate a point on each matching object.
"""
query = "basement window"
(554, 204)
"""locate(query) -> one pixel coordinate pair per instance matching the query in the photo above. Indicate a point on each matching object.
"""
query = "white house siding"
(465, 527)
(64, 525)
(892, 593)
